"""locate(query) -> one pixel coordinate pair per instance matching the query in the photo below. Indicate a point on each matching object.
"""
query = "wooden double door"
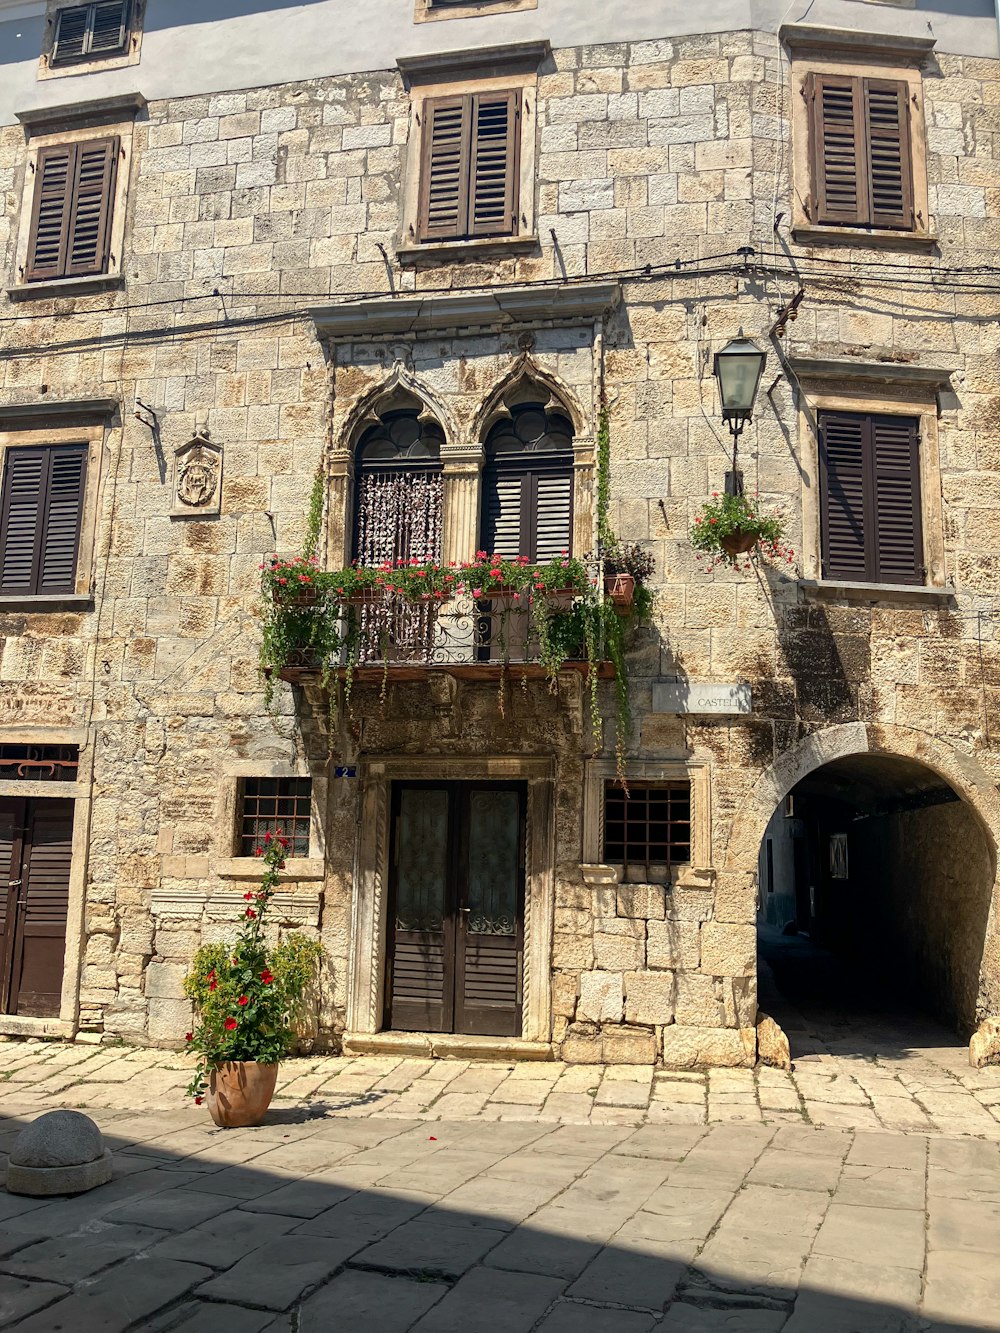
(456, 927)
(36, 849)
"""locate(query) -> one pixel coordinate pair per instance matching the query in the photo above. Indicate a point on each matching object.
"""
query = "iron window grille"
(39, 763)
(268, 805)
(647, 828)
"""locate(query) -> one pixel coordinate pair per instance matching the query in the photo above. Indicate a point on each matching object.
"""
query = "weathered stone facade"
(254, 220)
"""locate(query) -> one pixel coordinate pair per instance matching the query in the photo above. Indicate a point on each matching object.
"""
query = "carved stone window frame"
(85, 425)
(697, 772)
(227, 866)
(369, 898)
(818, 50)
(97, 64)
(854, 388)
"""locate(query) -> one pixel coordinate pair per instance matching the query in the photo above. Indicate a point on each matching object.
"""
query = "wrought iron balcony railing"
(462, 635)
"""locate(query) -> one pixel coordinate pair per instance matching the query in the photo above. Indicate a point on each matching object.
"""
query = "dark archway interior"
(875, 884)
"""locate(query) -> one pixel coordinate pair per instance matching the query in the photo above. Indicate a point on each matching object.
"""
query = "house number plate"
(694, 696)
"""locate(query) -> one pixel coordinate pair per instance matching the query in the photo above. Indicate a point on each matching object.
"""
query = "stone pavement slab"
(323, 1220)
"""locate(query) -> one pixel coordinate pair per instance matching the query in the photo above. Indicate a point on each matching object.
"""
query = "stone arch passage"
(875, 883)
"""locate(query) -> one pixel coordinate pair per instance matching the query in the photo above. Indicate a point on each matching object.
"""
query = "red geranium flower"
(212, 985)
(189, 1036)
(230, 1024)
(267, 976)
(252, 915)
(248, 897)
(243, 1001)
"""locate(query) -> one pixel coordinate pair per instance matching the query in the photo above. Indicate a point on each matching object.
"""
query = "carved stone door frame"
(370, 895)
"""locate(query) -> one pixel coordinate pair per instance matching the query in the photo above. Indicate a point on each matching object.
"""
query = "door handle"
(465, 909)
(13, 883)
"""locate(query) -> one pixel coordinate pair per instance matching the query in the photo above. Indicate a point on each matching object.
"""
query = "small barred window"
(647, 829)
(272, 805)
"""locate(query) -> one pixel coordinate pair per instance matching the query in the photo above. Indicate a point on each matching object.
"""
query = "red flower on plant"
(252, 916)
(230, 1024)
(267, 976)
(189, 1036)
(243, 1001)
(248, 897)
(198, 1101)
(268, 836)
(258, 851)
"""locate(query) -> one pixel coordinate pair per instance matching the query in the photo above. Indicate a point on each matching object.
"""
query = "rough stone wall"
(279, 197)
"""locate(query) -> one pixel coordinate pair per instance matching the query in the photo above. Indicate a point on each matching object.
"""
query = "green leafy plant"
(314, 519)
(734, 527)
(248, 994)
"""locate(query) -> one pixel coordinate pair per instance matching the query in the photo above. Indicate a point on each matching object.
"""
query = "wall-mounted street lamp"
(738, 368)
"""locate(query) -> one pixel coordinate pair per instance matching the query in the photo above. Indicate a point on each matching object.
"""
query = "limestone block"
(689, 904)
(649, 997)
(772, 1044)
(169, 1020)
(698, 1002)
(62, 1152)
(565, 988)
(628, 1046)
(618, 952)
(572, 951)
(581, 1049)
(984, 1048)
(728, 951)
(673, 944)
(691, 1047)
(601, 996)
(642, 901)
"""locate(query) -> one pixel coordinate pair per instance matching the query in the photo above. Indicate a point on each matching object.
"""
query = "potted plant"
(247, 995)
(733, 525)
(626, 569)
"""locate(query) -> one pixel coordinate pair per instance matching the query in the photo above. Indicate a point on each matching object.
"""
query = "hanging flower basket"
(739, 542)
(732, 526)
(621, 589)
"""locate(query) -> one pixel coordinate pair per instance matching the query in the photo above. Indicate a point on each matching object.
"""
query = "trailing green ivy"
(314, 519)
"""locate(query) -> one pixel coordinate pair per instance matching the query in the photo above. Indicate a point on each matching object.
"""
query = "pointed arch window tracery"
(399, 489)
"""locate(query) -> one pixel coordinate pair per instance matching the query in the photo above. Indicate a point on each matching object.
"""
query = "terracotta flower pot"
(239, 1093)
(738, 542)
(620, 588)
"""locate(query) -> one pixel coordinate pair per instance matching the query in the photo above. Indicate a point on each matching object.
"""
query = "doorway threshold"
(445, 1046)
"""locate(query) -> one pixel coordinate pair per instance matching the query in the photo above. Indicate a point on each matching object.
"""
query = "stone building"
(242, 243)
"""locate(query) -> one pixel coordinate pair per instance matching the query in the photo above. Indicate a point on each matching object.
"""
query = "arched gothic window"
(398, 489)
(528, 484)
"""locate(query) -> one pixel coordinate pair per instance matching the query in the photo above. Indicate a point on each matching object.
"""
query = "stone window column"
(340, 510)
(462, 489)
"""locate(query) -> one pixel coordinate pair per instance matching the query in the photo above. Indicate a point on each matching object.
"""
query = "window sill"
(438, 251)
(834, 589)
(60, 287)
(249, 867)
(864, 238)
(69, 601)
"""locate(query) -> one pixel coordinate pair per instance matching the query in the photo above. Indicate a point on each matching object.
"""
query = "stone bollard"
(62, 1152)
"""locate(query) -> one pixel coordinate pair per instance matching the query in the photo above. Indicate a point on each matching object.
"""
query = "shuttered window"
(71, 217)
(528, 508)
(860, 146)
(86, 31)
(40, 516)
(870, 498)
(469, 167)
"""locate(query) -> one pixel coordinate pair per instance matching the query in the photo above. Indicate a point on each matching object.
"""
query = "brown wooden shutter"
(44, 894)
(528, 509)
(895, 446)
(109, 29)
(60, 540)
(840, 180)
(87, 248)
(870, 498)
(444, 177)
(494, 166)
(50, 218)
(844, 530)
(11, 819)
(888, 151)
(71, 34)
(40, 516)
